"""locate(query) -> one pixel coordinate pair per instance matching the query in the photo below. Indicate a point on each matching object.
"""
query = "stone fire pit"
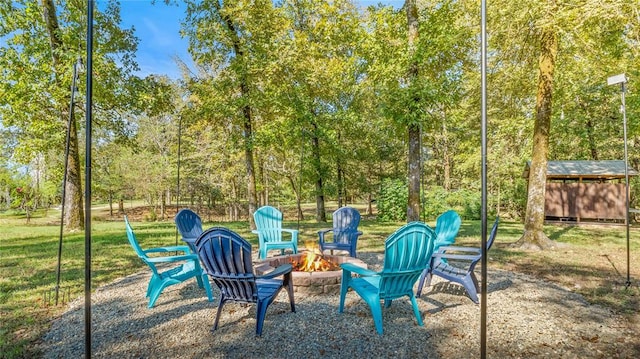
(320, 282)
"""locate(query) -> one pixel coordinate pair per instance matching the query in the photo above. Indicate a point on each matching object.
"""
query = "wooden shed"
(579, 191)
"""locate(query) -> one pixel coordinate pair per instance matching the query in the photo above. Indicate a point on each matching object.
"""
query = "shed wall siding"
(585, 201)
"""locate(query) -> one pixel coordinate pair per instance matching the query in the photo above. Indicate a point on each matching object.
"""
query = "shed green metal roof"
(611, 169)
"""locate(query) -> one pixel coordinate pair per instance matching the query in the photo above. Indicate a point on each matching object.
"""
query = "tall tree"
(534, 217)
(414, 160)
(42, 41)
(232, 40)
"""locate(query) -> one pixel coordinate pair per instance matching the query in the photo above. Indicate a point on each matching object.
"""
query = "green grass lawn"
(592, 263)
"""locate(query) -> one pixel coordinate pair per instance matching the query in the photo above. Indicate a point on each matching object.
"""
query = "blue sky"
(158, 28)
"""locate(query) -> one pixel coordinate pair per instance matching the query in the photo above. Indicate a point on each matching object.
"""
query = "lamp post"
(622, 80)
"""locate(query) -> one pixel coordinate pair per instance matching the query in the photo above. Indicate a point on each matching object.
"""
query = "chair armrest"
(467, 257)
(322, 232)
(357, 269)
(184, 249)
(294, 233)
(172, 258)
(444, 249)
(280, 270)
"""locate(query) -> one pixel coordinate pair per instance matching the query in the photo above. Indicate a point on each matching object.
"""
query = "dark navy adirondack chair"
(226, 258)
(462, 271)
(447, 228)
(189, 225)
(189, 268)
(344, 234)
(270, 232)
(407, 253)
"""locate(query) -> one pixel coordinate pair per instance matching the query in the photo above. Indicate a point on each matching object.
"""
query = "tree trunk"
(246, 113)
(110, 203)
(298, 198)
(413, 133)
(321, 216)
(534, 237)
(341, 191)
(251, 178)
(74, 215)
(446, 156)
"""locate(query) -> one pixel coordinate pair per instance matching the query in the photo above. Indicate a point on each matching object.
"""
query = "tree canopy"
(298, 100)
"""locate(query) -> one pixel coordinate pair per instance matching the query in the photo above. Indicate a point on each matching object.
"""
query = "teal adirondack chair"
(447, 228)
(188, 267)
(407, 252)
(270, 232)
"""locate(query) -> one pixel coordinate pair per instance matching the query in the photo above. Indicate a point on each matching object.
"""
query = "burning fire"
(314, 262)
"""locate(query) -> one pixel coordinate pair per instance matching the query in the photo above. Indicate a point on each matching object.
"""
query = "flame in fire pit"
(314, 262)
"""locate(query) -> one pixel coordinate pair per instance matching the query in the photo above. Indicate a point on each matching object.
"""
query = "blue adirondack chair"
(187, 266)
(190, 226)
(447, 228)
(345, 231)
(270, 232)
(226, 258)
(462, 271)
(407, 253)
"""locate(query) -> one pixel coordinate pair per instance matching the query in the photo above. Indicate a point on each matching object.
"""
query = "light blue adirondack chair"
(447, 228)
(187, 266)
(270, 232)
(407, 252)
(190, 226)
(344, 234)
(462, 271)
(226, 258)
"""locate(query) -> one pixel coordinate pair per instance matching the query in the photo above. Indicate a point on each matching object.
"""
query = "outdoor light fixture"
(622, 80)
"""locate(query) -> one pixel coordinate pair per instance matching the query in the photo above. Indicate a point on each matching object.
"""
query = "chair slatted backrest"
(269, 221)
(345, 224)
(407, 254)
(227, 260)
(492, 235)
(189, 223)
(447, 228)
(136, 246)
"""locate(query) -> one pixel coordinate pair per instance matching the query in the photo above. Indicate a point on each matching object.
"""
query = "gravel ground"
(527, 318)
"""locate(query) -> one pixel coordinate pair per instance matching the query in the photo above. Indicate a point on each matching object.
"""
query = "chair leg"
(215, 324)
(426, 274)
(416, 310)
(261, 313)
(376, 312)
(207, 286)
(344, 285)
(470, 286)
(475, 280)
(289, 283)
(155, 293)
(153, 282)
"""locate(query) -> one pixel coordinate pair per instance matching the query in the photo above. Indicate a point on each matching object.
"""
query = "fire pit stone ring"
(312, 283)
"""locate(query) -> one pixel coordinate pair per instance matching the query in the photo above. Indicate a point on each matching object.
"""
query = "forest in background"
(304, 101)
